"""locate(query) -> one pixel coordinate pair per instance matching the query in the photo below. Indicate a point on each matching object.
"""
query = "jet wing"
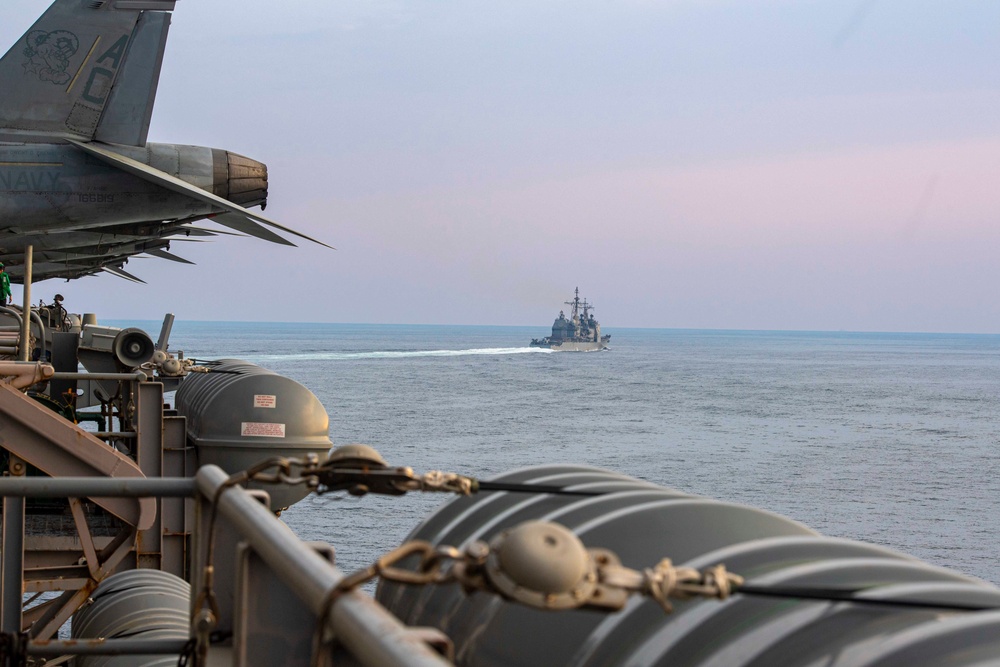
(175, 184)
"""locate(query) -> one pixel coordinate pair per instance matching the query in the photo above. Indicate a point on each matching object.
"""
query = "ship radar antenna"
(576, 305)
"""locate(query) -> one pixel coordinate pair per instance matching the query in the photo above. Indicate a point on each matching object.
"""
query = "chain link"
(435, 480)
(662, 582)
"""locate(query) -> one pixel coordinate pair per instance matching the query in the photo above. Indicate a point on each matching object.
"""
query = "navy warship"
(579, 333)
(154, 530)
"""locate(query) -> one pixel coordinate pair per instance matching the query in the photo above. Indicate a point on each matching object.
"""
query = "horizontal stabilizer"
(175, 184)
(197, 231)
(243, 224)
(163, 254)
(122, 273)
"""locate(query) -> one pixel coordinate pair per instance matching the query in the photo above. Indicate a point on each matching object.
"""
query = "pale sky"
(739, 164)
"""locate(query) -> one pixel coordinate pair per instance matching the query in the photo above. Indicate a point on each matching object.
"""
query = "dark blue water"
(887, 438)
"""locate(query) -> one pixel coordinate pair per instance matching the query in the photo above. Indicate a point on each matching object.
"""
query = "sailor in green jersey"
(4, 286)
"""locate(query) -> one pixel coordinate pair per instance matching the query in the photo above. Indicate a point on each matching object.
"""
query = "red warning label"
(265, 401)
(262, 430)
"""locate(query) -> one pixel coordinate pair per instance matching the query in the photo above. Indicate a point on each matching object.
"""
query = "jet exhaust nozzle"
(239, 179)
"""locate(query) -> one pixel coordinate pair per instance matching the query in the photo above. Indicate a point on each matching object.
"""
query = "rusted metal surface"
(86, 539)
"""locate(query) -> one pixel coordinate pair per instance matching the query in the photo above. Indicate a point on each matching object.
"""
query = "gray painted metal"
(75, 167)
(578, 333)
(367, 631)
(105, 487)
(642, 525)
(12, 564)
(241, 414)
(138, 604)
(58, 77)
(174, 184)
(142, 646)
(163, 339)
(24, 348)
(138, 376)
(130, 105)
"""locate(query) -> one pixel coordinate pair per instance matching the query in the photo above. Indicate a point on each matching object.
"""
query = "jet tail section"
(174, 184)
(87, 69)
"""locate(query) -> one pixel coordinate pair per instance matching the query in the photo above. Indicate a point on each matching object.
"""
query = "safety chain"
(285, 471)
(360, 470)
(606, 585)
(170, 366)
(664, 582)
(356, 480)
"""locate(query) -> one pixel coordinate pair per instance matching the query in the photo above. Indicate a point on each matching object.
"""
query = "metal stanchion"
(25, 348)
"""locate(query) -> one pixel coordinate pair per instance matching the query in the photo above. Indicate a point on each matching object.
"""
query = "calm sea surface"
(887, 438)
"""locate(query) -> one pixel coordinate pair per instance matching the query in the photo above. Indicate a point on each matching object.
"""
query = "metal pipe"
(26, 373)
(37, 319)
(13, 313)
(101, 487)
(26, 308)
(12, 566)
(114, 434)
(138, 376)
(13, 350)
(12, 555)
(368, 631)
(59, 647)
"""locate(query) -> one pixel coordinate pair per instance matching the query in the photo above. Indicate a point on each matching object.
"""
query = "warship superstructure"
(580, 332)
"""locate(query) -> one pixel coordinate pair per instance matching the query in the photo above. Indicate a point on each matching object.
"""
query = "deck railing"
(267, 598)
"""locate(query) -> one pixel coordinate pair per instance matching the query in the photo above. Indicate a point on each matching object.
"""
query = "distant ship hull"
(573, 345)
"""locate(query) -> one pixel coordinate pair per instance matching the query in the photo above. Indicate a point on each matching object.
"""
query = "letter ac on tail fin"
(87, 69)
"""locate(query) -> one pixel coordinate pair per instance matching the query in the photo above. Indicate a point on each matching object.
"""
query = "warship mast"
(576, 306)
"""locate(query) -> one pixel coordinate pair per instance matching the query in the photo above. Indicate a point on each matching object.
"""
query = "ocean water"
(886, 438)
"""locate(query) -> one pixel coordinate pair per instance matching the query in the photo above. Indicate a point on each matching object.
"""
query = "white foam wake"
(397, 354)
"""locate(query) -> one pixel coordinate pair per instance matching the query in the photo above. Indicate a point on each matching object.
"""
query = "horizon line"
(609, 329)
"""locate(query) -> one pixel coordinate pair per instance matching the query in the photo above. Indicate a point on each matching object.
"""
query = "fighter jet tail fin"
(85, 70)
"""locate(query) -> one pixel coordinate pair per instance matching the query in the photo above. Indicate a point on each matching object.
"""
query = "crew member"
(58, 317)
(4, 286)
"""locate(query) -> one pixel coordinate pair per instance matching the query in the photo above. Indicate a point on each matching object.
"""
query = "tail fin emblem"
(48, 54)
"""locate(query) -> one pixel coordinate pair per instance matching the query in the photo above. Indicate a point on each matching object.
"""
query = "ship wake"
(396, 354)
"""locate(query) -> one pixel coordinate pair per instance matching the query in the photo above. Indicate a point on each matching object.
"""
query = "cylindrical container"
(240, 414)
(643, 524)
(138, 604)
